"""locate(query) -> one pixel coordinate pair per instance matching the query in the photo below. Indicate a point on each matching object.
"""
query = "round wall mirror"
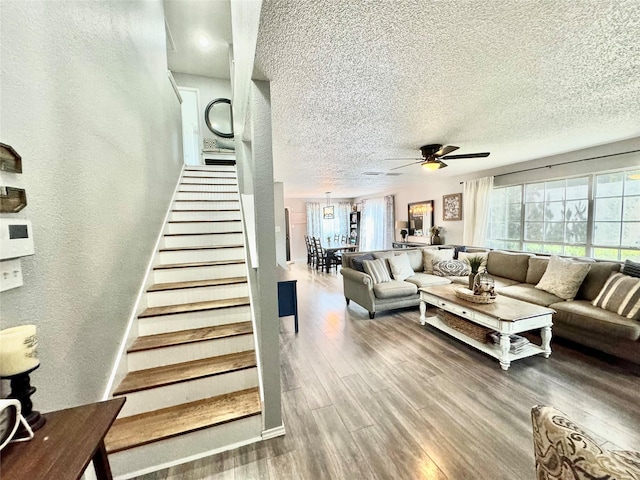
(219, 117)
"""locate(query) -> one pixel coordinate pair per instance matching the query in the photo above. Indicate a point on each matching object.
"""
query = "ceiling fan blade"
(412, 163)
(404, 158)
(445, 150)
(467, 155)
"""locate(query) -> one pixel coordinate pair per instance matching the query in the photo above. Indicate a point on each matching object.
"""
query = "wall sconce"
(18, 358)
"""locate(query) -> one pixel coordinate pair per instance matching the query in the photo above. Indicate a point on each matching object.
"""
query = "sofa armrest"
(358, 286)
(356, 276)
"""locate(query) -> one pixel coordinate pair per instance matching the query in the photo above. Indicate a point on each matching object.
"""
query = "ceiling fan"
(432, 156)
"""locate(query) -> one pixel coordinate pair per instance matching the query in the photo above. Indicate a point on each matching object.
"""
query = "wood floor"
(389, 399)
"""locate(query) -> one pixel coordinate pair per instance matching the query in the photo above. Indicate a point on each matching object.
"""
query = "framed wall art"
(452, 206)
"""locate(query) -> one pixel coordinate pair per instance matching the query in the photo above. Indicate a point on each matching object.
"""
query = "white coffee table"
(506, 316)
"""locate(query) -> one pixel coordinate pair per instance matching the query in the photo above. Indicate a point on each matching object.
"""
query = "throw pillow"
(563, 277)
(631, 268)
(621, 295)
(430, 256)
(377, 269)
(401, 267)
(356, 262)
(455, 268)
(464, 257)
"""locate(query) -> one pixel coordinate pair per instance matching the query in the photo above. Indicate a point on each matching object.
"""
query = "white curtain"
(317, 226)
(477, 205)
(377, 229)
(314, 219)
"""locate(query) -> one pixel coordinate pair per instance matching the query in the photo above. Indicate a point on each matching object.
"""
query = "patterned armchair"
(563, 451)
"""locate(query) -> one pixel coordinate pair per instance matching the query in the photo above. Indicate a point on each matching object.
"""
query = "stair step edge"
(214, 282)
(194, 307)
(138, 380)
(193, 335)
(207, 413)
(198, 264)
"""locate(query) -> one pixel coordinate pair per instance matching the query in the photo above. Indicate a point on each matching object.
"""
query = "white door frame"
(199, 147)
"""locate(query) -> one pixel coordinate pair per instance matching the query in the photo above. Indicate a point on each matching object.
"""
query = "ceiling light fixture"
(431, 165)
(204, 42)
(327, 212)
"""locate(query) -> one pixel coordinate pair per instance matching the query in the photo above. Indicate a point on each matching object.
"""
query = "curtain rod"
(565, 163)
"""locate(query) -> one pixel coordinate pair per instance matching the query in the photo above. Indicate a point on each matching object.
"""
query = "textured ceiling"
(187, 21)
(355, 82)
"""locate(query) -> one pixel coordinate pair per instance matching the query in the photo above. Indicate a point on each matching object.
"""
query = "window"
(554, 217)
(616, 223)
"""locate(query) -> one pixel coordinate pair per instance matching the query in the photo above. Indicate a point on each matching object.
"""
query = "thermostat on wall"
(16, 238)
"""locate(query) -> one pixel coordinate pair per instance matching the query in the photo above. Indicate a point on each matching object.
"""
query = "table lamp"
(18, 358)
(402, 225)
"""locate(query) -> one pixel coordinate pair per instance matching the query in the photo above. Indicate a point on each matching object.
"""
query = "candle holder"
(21, 390)
(18, 358)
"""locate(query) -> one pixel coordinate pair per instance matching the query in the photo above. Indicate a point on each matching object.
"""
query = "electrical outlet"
(10, 274)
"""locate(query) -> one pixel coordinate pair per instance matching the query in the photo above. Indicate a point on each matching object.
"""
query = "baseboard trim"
(273, 432)
(192, 458)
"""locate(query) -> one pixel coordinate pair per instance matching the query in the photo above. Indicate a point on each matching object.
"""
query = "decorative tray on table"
(469, 296)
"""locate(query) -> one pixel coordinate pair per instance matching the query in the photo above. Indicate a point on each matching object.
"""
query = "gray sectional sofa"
(516, 275)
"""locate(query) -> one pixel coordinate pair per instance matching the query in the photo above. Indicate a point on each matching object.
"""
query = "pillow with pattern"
(430, 257)
(621, 295)
(455, 268)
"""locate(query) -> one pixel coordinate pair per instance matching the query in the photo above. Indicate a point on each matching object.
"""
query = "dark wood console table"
(64, 446)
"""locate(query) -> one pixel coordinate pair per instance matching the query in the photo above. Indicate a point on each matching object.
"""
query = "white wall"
(209, 89)
(86, 101)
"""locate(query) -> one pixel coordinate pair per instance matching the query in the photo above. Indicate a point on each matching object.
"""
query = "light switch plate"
(10, 274)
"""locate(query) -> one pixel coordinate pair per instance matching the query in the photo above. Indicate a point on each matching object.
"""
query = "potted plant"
(475, 262)
(435, 235)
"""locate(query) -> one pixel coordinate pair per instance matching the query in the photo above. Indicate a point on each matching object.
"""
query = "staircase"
(192, 381)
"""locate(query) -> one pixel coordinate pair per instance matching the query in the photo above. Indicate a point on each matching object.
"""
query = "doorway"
(190, 126)
(287, 233)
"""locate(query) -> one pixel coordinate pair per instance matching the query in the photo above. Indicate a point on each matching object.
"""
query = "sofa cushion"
(537, 267)
(356, 262)
(563, 277)
(508, 265)
(377, 269)
(394, 289)
(529, 293)
(582, 314)
(455, 268)
(429, 256)
(415, 258)
(595, 279)
(501, 282)
(620, 294)
(400, 267)
(386, 254)
(631, 268)
(426, 280)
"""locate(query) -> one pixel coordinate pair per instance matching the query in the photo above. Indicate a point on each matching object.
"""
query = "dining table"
(331, 250)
